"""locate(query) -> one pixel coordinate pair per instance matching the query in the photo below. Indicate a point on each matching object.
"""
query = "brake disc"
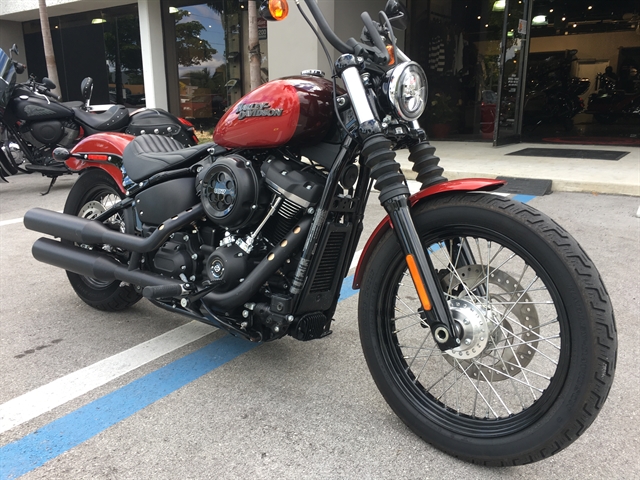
(500, 328)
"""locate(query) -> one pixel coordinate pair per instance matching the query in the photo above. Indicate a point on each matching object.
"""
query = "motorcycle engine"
(50, 133)
(257, 203)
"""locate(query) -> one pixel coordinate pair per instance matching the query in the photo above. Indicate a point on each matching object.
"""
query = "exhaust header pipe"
(80, 230)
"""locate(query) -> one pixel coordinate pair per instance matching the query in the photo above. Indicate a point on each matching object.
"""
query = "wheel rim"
(514, 354)
(95, 203)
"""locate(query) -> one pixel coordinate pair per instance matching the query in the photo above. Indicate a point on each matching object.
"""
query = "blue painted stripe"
(523, 198)
(346, 291)
(46, 443)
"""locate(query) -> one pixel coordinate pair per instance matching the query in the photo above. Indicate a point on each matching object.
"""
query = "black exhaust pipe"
(80, 230)
(101, 266)
(94, 264)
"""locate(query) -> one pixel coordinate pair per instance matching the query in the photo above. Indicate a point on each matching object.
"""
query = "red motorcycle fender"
(463, 185)
(103, 151)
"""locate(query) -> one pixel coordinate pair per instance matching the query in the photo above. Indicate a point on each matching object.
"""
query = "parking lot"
(182, 400)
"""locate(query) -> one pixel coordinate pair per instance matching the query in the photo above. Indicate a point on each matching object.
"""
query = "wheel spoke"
(516, 364)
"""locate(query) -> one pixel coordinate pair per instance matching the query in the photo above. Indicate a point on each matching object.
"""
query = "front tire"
(539, 348)
(93, 193)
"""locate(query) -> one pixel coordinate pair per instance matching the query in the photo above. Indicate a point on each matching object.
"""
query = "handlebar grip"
(326, 29)
(376, 38)
(49, 94)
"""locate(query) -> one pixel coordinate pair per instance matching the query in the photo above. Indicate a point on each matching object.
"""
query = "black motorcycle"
(33, 122)
(612, 102)
(552, 95)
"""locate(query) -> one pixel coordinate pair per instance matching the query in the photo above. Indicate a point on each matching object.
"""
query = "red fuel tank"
(288, 110)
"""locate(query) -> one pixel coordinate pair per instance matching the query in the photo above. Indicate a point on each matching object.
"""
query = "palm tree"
(52, 70)
(254, 46)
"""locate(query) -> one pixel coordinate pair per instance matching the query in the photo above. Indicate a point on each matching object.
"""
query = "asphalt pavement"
(213, 408)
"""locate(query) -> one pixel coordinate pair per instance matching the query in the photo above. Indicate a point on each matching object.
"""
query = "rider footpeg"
(166, 291)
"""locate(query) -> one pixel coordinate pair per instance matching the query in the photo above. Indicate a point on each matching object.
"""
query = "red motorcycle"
(484, 324)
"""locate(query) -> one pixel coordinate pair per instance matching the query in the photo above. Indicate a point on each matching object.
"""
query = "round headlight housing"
(408, 90)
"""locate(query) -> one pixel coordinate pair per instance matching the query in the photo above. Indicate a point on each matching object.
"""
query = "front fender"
(103, 151)
(463, 185)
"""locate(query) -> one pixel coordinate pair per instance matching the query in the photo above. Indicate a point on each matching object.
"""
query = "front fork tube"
(377, 155)
(434, 311)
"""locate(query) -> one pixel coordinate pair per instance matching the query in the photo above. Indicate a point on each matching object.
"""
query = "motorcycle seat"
(147, 155)
(116, 118)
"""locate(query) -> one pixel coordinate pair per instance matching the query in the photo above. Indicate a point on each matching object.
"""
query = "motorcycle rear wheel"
(93, 193)
(539, 348)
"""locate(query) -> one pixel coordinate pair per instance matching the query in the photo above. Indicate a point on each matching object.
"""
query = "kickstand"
(53, 180)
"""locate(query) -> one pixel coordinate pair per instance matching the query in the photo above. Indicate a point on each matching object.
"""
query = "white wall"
(10, 33)
(595, 46)
(152, 46)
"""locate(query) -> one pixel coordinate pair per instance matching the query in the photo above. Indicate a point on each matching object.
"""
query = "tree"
(254, 46)
(190, 48)
(52, 69)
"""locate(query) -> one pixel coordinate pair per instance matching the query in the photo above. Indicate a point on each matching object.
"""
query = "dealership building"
(499, 71)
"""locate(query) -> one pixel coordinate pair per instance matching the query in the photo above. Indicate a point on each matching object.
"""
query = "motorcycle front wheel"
(538, 346)
(92, 194)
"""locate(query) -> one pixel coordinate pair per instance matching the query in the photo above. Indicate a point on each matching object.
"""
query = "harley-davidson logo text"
(257, 110)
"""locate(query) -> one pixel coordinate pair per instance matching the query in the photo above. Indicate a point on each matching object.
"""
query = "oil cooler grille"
(326, 272)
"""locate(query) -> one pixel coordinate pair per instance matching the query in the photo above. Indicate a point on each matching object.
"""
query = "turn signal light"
(274, 10)
(392, 55)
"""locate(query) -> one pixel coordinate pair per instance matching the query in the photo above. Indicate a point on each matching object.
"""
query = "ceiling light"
(539, 20)
(96, 21)
(173, 10)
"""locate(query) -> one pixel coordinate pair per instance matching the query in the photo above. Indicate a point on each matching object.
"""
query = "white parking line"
(9, 222)
(44, 399)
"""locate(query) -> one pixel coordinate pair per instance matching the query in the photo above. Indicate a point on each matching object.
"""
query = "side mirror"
(14, 49)
(397, 13)
(86, 89)
(48, 83)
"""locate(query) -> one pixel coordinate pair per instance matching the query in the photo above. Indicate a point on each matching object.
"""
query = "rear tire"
(539, 350)
(93, 193)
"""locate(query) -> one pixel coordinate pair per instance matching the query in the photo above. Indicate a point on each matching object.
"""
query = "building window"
(204, 58)
(101, 44)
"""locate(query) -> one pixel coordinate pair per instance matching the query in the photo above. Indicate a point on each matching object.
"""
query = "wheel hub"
(474, 327)
(91, 210)
(510, 325)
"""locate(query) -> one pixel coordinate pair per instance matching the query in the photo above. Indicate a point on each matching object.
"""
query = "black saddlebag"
(159, 122)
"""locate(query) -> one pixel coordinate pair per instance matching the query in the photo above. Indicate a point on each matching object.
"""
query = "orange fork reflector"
(417, 281)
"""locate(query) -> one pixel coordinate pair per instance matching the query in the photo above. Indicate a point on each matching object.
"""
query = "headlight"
(408, 90)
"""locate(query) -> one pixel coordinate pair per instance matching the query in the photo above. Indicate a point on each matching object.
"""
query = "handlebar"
(376, 38)
(51, 95)
(338, 44)
(326, 29)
